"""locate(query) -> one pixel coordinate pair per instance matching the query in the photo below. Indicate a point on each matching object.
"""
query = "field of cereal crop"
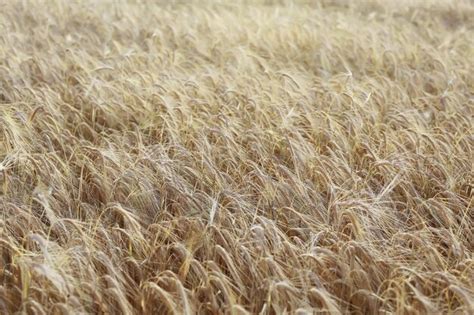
(236, 157)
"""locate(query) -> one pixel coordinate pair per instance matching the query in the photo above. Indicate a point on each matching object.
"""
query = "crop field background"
(236, 157)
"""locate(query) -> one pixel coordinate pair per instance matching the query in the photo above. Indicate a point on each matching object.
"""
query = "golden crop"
(237, 157)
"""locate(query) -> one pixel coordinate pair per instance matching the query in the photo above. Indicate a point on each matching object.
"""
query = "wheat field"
(236, 157)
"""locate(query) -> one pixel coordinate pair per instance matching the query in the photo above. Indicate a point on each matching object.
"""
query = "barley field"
(236, 157)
